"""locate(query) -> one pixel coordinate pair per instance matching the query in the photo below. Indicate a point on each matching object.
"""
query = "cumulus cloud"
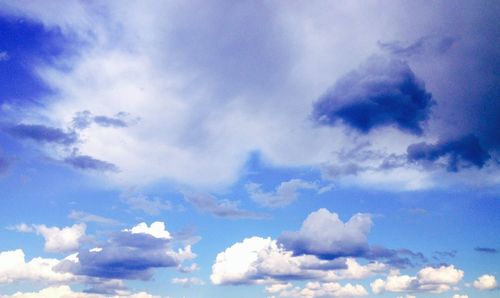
(285, 193)
(42, 134)
(317, 289)
(259, 260)
(323, 234)
(381, 92)
(13, 268)
(188, 281)
(156, 229)
(66, 292)
(459, 153)
(428, 279)
(220, 208)
(130, 254)
(65, 239)
(485, 282)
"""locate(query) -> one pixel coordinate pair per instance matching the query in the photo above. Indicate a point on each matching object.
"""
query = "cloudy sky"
(249, 149)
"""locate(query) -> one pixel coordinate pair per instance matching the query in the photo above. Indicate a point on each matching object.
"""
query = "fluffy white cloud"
(324, 234)
(263, 260)
(67, 292)
(61, 239)
(485, 282)
(316, 289)
(157, 230)
(428, 279)
(13, 267)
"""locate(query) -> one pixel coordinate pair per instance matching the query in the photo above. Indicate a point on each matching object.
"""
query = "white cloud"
(324, 234)
(485, 282)
(67, 292)
(13, 267)
(188, 281)
(284, 194)
(157, 230)
(259, 260)
(460, 296)
(428, 279)
(316, 289)
(61, 239)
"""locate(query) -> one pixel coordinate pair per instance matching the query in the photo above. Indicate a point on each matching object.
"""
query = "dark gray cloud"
(459, 153)
(424, 46)
(220, 208)
(42, 134)
(486, 250)
(85, 162)
(381, 92)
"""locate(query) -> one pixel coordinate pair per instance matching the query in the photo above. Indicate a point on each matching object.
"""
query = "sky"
(249, 149)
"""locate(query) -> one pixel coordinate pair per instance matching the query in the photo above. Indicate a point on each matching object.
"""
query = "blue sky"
(250, 149)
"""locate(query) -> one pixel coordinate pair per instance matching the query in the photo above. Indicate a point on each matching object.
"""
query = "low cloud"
(129, 254)
(318, 290)
(428, 279)
(457, 153)
(485, 283)
(381, 92)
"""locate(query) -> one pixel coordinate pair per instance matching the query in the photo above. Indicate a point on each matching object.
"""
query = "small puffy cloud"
(61, 239)
(284, 194)
(152, 206)
(220, 208)
(130, 254)
(323, 234)
(67, 292)
(85, 162)
(485, 282)
(188, 281)
(88, 217)
(428, 279)
(157, 230)
(42, 134)
(458, 153)
(13, 267)
(382, 92)
(317, 289)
